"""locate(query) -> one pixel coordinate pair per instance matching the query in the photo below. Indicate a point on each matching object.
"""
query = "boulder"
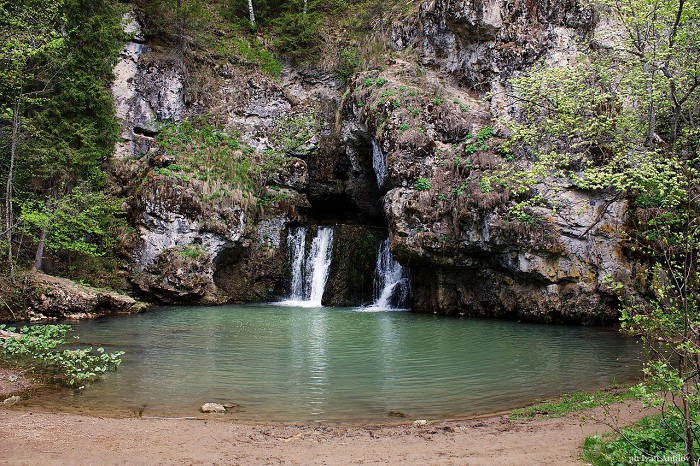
(212, 408)
(50, 297)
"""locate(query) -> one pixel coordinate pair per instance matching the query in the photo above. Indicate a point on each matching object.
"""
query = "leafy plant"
(36, 346)
(422, 184)
(649, 441)
(484, 135)
(470, 149)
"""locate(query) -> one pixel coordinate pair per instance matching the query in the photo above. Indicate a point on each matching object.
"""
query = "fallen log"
(4, 335)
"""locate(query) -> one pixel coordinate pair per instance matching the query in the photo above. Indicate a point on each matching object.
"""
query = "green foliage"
(55, 70)
(348, 64)
(37, 347)
(192, 251)
(649, 441)
(82, 221)
(622, 120)
(180, 21)
(484, 135)
(379, 82)
(297, 34)
(470, 149)
(422, 184)
(292, 133)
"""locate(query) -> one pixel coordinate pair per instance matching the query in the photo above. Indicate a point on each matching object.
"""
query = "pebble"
(11, 400)
(420, 422)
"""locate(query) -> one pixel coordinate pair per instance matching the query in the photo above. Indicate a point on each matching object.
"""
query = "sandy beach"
(58, 438)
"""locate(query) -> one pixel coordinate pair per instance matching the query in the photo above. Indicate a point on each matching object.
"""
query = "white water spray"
(392, 287)
(318, 264)
(309, 271)
(296, 241)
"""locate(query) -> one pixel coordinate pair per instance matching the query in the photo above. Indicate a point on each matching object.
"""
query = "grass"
(573, 403)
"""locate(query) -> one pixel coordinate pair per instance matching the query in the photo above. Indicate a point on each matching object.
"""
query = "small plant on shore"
(36, 347)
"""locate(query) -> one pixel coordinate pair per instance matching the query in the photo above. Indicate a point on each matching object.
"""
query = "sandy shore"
(54, 438)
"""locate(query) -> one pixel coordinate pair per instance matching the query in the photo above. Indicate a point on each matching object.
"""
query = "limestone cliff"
(406, 148)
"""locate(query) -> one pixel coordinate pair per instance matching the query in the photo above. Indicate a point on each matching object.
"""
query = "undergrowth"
(652, 440)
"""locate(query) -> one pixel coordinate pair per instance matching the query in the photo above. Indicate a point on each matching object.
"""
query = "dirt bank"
(37, 438)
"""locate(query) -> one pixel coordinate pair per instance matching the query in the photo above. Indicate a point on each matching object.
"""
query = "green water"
(285, 364)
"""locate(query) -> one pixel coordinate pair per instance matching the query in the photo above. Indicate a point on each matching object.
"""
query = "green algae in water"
(286, 364)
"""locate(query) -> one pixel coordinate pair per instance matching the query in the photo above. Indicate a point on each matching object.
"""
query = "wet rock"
(351, 274)
(212, 408)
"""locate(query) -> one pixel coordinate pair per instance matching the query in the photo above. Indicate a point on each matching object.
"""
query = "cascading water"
(392, 286)
(309, 271)
(378, 163)
(318, 264)
(296, 241)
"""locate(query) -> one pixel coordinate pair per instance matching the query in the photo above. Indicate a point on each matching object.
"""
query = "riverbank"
(54, 438)
(13, 381)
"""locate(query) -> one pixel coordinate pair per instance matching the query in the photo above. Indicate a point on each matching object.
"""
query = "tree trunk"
(306, 6)
(39, 256)
(16, 122)
(651, 111)
(252, 13)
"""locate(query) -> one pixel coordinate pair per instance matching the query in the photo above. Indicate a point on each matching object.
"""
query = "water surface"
(288, 364)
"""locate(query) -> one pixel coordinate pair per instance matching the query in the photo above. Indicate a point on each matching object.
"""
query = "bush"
(347, 66)
(36, 347)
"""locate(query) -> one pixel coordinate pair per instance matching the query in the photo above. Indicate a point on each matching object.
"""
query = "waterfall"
(309, 271)
(378, 163)
(392, 287)
(318, 264)
(296, 242)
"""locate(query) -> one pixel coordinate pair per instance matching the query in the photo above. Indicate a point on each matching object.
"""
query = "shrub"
(347, 66)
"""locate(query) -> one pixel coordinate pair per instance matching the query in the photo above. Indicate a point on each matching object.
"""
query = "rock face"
(190, 248)
(50, 297)
(409, 148)
(447, 222)
(351, 275)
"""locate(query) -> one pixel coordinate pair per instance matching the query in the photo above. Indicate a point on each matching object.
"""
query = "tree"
(176, 20)
(57, 125)
(31, 40)
(622, 121)
(79, 222)
(251, 13)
